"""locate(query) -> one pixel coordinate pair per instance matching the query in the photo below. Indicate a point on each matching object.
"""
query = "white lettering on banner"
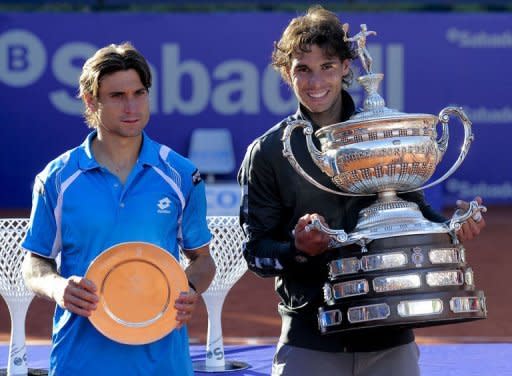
(171, 81)
(224, 98)
(22, 58)
(234, 86)
(479, 39)
(464, 188)
(395, 76)
(223, 198)
(66, 73)
(272, 98)
(222, 94)
(153, 97)
(482, 114)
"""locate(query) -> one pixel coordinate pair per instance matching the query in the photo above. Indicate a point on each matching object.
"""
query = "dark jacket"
(275, 196)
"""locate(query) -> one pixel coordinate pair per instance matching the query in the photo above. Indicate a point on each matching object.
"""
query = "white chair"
(211, 150)
(12, 287)
(226, 251)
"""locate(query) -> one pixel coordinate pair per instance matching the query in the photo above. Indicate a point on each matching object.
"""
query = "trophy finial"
(374, 105)
(360, 40)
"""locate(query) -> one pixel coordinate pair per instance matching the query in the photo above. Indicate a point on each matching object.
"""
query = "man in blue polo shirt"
(118, 186)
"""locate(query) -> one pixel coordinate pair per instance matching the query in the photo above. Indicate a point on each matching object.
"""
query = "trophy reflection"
(400, 269)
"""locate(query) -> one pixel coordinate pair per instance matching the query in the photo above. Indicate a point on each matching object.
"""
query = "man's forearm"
(40, 275)
(201, 270)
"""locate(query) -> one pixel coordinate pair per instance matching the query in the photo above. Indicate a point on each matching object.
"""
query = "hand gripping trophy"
(396, 268)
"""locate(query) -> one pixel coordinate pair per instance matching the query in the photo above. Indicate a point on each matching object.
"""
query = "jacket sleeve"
(269, 249)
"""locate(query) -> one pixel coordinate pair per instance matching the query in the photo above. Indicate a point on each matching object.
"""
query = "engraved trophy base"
(403, 281)
(411, 311)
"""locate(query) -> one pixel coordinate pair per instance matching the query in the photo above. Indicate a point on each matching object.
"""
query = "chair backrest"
(12, 232)
(211, 150)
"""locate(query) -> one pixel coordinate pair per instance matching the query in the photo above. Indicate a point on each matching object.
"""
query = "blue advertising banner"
(212, 71)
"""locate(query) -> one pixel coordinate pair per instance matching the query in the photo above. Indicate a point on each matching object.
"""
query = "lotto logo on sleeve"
(164, 206)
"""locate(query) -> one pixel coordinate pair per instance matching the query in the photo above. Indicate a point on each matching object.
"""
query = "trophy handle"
(460, 216)
(444, 117)
(318, 157)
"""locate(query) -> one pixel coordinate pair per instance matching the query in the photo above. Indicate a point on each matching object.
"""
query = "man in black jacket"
(278, 204)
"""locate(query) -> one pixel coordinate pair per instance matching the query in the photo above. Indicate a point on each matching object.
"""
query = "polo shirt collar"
(148, 154)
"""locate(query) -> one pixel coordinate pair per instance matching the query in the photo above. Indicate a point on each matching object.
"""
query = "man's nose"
(315, 78)
(130, 104)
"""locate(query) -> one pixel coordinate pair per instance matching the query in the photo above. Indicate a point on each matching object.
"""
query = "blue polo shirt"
(80, 209)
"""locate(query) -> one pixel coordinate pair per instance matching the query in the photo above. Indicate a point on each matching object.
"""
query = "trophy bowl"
(380, 149)
(395, 153)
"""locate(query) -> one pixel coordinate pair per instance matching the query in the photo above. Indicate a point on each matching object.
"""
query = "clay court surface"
(250, 313)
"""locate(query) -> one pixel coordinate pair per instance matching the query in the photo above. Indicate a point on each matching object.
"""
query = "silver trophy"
(404, 269)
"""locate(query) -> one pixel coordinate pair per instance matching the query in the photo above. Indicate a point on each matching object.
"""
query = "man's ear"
(346, 66)
(90, 102)
(287, 76)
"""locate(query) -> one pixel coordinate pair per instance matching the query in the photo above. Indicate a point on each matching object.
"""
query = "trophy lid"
(374, 106)
(375, 114)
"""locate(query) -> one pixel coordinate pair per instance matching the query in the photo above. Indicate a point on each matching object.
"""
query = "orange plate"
(137, 285)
